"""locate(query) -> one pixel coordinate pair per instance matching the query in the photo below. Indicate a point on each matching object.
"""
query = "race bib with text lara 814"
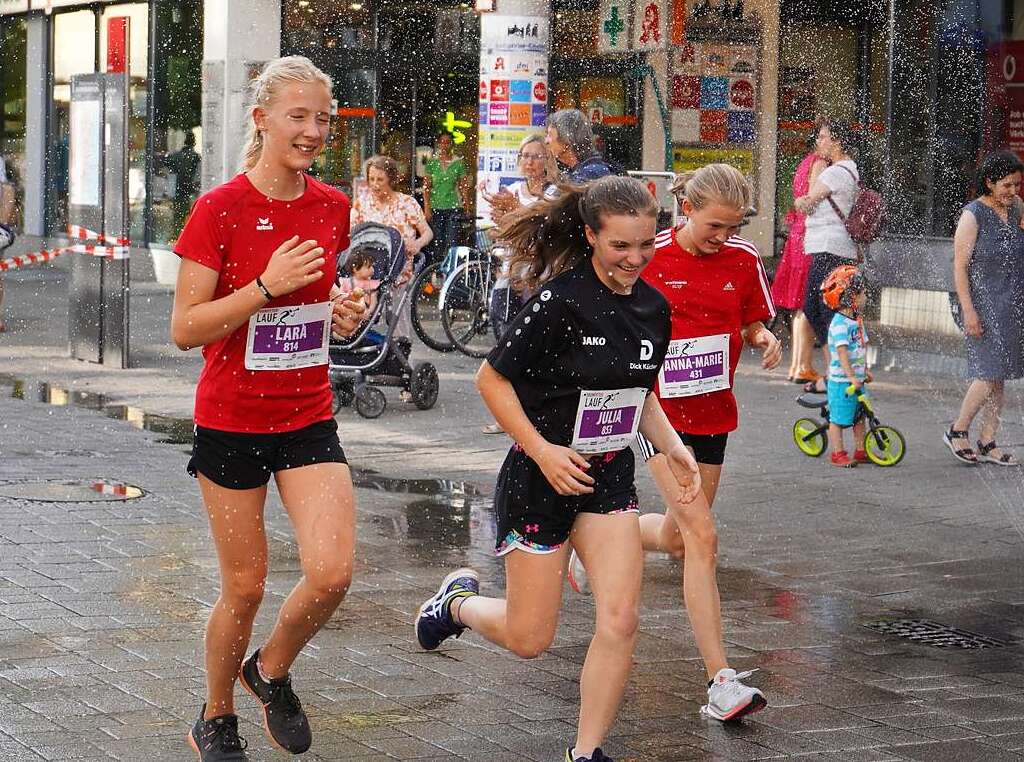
(695, 366)
(286, 338)
(607, 420)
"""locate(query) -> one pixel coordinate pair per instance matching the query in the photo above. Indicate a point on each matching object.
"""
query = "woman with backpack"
(828, 205)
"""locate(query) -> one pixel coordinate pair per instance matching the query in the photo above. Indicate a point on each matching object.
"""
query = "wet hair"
(385, 164)
(715, 184)
(264, 88)
(360, 258)
(993, 168)
(548, 237)
(573, 129)
(841, 132)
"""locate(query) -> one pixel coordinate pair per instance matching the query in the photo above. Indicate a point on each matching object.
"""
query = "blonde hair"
(714, 183)
(264, 88)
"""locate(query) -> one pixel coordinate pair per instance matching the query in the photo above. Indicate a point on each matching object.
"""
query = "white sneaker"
(730, 699)
(578, 575)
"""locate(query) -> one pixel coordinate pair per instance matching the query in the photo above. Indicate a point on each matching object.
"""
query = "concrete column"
(761, 229)
(653, 128)
(238, 36)
(37, 95)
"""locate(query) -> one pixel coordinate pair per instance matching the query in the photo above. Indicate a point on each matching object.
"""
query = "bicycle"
(885, 445)
(425, 294)
(466, 305)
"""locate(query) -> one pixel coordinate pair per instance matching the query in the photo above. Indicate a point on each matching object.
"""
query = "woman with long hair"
(571, 384)
(255, 291)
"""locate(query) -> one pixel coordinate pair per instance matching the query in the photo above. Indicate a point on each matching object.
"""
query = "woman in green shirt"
(444, 194)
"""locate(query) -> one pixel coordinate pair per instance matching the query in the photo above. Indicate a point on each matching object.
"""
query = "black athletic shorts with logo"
(535, 518)
(708, 449)
(247, 461)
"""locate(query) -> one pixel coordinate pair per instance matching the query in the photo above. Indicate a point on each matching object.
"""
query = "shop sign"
(692, 158)
(649, 25)
(513, 95)
(612, 36)
(455, 127)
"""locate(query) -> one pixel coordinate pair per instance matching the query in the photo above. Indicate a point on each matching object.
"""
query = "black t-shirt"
(577, 334)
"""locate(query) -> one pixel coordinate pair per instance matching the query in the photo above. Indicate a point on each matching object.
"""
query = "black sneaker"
(434, 623)
(217, 740)
(597, 756)
(283, 718)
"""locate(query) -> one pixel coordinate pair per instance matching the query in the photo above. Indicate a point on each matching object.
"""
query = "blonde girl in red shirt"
(256, 292)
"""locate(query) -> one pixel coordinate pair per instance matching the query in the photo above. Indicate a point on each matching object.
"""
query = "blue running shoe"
(434, 623)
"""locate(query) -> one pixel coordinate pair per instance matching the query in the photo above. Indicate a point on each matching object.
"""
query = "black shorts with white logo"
(247, 461)
(535, 518)
(708, 449)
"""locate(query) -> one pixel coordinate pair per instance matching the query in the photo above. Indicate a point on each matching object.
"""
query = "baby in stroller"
(374, 357)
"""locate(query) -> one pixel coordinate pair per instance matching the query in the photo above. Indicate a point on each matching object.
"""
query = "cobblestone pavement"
(102, 604)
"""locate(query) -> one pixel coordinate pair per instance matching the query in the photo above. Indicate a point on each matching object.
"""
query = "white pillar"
(37, 104)
(514, 62)
(238, 36)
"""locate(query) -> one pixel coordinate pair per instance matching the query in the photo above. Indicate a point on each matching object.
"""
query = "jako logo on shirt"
(264, 223)
(646, 349)
(729, 287)
(594, 341)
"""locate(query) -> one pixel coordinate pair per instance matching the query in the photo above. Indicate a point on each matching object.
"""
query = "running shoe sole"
(757, 703)
(463, 572)
(266, 723)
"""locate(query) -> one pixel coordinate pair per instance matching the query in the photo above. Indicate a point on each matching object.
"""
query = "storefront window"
(12, 107)
(74, 52)
(177, 110)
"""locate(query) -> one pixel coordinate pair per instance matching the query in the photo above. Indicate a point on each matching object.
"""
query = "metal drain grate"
(930, 633)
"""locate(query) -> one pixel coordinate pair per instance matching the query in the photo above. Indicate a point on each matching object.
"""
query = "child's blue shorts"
(842, 407)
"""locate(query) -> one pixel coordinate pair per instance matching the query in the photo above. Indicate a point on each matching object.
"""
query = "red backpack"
(864, 221)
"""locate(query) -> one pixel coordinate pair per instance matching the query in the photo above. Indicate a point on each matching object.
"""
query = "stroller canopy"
(385, 246)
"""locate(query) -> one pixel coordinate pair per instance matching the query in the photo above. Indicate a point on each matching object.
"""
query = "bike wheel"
(808, 438)
(424, 308)
(885, 446)
(465, 312)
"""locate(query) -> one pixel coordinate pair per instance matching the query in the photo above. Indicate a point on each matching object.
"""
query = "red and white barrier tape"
(120, 249)
(84, 234)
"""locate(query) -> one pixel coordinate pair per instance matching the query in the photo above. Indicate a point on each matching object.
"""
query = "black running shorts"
(246, 461)
(535, 518)
(708, 449)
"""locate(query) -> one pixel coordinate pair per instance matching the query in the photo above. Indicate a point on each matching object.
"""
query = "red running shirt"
(234, 229)
(710, 294)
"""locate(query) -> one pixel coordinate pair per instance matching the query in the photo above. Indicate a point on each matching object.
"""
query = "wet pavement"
(102, 602)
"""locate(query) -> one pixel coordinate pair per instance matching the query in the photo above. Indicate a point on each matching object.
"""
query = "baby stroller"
(373, 357)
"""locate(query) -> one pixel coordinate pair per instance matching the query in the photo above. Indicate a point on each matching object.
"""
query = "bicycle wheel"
(885, 446)
(465, 313)
(808, 438)
(424, 308)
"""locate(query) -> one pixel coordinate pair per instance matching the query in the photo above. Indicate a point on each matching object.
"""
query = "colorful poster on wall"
(513, 95)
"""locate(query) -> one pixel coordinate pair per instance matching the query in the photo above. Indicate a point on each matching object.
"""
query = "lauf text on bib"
(607, 420)
(695, 366)
(286, 338)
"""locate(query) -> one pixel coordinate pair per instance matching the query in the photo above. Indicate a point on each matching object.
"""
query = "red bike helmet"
(838, 282)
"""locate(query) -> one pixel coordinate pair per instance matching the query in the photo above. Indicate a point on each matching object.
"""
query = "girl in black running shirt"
(570, 381)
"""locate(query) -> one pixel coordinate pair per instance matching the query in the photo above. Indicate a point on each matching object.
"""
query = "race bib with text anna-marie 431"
(695, 366)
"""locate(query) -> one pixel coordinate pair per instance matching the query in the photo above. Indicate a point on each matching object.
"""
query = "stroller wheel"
(424, 385)
(370, 401)
(343, 395)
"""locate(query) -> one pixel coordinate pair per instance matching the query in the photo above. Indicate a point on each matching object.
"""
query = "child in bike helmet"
(843, 291)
